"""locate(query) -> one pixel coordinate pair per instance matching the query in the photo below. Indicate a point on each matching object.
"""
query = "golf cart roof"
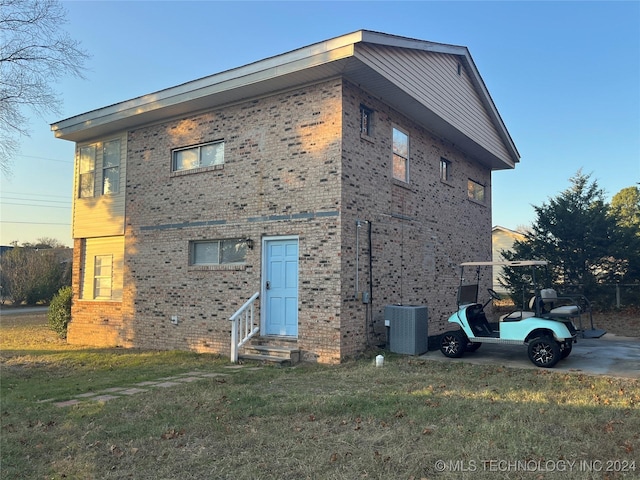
(518, 263)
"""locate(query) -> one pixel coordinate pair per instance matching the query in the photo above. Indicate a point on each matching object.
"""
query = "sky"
(565, 77)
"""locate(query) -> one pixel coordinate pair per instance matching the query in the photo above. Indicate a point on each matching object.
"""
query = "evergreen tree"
(575, 234)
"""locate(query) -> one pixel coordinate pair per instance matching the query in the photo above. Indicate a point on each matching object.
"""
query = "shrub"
(60, 311)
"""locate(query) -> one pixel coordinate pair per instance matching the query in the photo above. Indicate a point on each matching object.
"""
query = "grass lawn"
(411, 419)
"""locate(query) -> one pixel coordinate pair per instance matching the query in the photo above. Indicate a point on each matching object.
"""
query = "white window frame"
(87, 171)
(399, 154)
(222, 245)
(102, 273)
(198, 151)
(107, 188)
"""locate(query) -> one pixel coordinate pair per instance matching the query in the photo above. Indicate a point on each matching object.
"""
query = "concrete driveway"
(610, 355)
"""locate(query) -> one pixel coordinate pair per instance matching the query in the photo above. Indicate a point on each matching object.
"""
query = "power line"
(36, 194)
(39, 206)
(44, 158)
(35, 223)
(35, 200)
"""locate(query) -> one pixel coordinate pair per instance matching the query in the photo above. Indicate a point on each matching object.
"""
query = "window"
(445, 170)
(366, 117)
(102, 266)
(111, 167)
(206, 155)
(87, 171)
(400, 155)
(218, 252)
(475, 191)
(102, 276)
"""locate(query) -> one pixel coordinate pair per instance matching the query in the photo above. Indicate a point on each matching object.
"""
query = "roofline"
(79, 127)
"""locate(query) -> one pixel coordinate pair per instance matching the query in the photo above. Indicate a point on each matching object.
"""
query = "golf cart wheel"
(453, 344)
(544, 352)
(472, 346)
(565, 350)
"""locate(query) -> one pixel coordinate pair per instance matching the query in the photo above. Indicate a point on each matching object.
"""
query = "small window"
(445, 170)
(206, 155)
(111, 167)
(366, 118)
(87, 171)
(218, 252)
(400, 155)
(102, 275)
(475, 191)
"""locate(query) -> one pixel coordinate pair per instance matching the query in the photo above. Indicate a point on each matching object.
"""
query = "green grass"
(344, 422)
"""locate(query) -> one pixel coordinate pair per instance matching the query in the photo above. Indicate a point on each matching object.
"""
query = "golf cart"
(546, 329)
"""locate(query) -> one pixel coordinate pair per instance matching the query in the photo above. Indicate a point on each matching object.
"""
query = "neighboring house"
(502, 239)
(333, 180)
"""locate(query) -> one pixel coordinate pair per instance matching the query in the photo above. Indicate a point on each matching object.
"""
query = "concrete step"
(271, 353)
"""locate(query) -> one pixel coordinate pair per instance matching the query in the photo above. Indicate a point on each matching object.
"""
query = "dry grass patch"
(345, 422)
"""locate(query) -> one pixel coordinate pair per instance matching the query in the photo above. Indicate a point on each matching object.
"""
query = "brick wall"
(295, 164)
(281, 173)
(96, 323)
(420, 231)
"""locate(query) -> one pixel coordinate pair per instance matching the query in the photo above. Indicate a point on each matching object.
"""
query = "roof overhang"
(307, 65)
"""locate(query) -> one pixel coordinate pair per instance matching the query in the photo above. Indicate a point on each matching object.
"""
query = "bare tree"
(34, 53)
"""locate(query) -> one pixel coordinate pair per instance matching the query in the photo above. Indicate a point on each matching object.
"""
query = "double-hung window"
(218, 252)
(103, 276)
(205, 155)
(400, 155)
(87, 171)
(111, 167)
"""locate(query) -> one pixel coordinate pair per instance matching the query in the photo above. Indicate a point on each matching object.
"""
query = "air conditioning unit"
(407, 328)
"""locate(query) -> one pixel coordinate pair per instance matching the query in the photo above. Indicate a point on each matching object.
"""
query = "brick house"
(331, 180)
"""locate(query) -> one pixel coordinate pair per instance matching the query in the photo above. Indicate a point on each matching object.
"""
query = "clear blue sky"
(565, 76)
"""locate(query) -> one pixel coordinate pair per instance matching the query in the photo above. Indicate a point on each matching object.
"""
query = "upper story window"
(445, 170)
(218, 252)
(475, 191)
(205, 155)
(111, 167)
(400, 155)
(366, 121)
(87, 171)
(99, 169)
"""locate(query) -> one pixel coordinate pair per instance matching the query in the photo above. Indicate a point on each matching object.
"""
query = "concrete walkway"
(610, 355)
(114, 393)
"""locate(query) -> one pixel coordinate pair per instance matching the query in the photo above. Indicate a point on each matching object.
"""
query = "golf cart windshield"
(468, 294)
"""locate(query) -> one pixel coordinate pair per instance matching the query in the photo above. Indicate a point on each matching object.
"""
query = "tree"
(625, 210)
(575, 233)
(34, 53)
(32, 275)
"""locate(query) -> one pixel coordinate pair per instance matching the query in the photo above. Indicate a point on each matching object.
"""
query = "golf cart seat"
(549, 297)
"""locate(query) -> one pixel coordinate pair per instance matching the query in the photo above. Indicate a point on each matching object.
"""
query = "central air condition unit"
(407, 328)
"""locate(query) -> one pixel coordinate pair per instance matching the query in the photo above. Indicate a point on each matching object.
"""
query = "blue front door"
(280, 287)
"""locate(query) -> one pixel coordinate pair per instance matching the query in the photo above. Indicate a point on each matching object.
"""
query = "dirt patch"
(624, 322)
